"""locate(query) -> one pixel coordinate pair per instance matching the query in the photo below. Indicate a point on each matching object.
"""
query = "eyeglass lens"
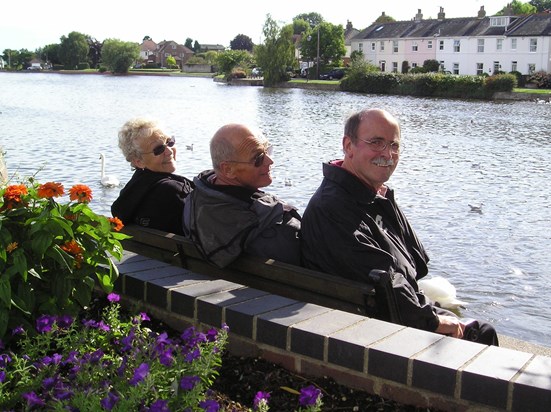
(260, 158)
(159, 150)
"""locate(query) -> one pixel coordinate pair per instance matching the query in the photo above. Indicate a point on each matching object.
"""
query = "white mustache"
(380, 161)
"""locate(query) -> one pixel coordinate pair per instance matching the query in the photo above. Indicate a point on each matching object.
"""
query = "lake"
(495, 155)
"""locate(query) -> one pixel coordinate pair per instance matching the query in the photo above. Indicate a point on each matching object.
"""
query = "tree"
(196, 47)
(50, 53)
(94, 52)
(431, 65)
(171, 62)
(541, 5)
(518, 7)
(383, 18)
(242, 42)
(313, 18)
(277, 53)
(118, 56)
(300, 26)
(73, 49)
(228, 60)
(146, 38)
(189, 43)
(331, 43)
(17, 59)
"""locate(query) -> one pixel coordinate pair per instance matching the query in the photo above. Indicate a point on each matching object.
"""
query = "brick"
(486, 379)
(308, 337)
(435, 369)
(272, 326)
(240, 317)
(211, 307)
(158, 289)
(136, 264)
(134, 283)
(347, 347)
(183, 298)
(532, 388)
(389, 358)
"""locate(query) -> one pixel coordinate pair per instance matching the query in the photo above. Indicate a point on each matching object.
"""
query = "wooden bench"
(374, 300)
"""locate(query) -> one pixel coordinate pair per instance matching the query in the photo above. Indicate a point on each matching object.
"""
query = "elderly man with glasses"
(353, 225)
(154, 196)
(227, 213)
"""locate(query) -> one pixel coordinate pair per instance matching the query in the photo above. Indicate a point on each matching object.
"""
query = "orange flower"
(72, 247)
(116, 224)
(80, 193)
(13, 193)
(11, 247)
(50, 189)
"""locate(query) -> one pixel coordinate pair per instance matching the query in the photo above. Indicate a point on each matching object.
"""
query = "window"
(514, 66)
(513, 44)
(533, 45)
(414, 46)
(429, 44)
(382, 65)
(395, 46)
(531, 68)
(457, 46)
(373, 46)
(361, 47)
(442, 67)
(499, 44)
(413, 65)
(480, 69)
(499, 21)
(497, 67)
(456, 68)
(394, 67)
(480, 44)
(382, 46)
(441, 45)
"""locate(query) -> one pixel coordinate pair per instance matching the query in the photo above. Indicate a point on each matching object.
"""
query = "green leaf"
(41, 241)
(4, 318)
(5, 291)
(20, 262)
(83, 292)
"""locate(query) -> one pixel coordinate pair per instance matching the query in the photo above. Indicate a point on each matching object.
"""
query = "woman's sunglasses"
(159, 150)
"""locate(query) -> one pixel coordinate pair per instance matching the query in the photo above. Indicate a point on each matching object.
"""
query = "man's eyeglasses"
(379, 145)
(159, 150)
(258, 160)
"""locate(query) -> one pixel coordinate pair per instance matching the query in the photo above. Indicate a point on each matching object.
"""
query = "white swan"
(442, 291)
(107, 180)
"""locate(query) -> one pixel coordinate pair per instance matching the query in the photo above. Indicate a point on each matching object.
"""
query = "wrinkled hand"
(451, 326)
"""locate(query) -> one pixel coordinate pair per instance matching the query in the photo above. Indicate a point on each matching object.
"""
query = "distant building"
(170, 48)
(349, 33)
(212, 47)
(466, 45)
(148, 50)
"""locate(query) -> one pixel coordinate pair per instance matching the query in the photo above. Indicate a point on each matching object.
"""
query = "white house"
(466, 45)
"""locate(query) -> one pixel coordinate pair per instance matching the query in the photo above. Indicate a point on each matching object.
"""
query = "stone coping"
(403, 364)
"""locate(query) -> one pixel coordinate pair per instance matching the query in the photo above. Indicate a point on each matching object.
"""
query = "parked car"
(333, 74)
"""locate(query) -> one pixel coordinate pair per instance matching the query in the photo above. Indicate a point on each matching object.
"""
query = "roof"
(531, 25)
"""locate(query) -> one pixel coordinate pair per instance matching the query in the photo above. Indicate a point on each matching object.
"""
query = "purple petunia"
(18, 331)
(187, 383)
(140, 374)
(309, 395)
(4, 360)
(109, 402)
(2, 376)
(191, 356)
(166, 358)
(33, 399)
(159, 405)
(209, 405)
(113, 297)
(44, 323)
(64, 321)
(144, 316)
(261, 398)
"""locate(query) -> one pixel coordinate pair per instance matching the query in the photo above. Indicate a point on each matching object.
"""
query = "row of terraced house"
(469, 46)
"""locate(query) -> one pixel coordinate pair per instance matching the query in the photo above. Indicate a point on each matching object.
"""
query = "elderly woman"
(154, 196)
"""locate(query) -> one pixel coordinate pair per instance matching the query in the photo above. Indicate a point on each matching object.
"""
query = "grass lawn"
(532, 91)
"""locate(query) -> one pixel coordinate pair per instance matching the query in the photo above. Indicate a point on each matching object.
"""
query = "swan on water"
(440, 290)
(107, 180)
(189, 147)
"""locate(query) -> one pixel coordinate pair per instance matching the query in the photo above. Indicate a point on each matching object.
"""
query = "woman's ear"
(138, 163)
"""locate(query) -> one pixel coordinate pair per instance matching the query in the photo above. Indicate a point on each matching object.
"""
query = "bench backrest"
(294, 282)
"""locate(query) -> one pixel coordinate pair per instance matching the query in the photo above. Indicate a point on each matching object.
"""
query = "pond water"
(457, 153)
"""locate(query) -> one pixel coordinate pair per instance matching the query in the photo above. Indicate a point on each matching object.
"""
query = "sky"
(30, 24)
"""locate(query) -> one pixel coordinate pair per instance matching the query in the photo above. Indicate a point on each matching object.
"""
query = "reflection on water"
(457, 153)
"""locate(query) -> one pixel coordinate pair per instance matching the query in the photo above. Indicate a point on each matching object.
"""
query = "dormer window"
(500, 21)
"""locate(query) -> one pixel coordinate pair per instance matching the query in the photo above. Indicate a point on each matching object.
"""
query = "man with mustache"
(352, 225)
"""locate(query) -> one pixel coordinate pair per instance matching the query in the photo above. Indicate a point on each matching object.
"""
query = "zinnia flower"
(72, 247)
(116, 223)
(11, 247)
(50, 189)
(13, 193)
(80, 193)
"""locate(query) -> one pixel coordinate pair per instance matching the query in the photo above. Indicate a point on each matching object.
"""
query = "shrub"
(102, 69)
(499, 83)
(52, 254)
(541, 79)
(83, 66)
(238, 74)
(109, 364)
(520, 78)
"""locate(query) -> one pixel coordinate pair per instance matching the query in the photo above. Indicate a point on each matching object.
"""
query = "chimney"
(441, 14)
(348, 26)
(481, 12)
(419, 15)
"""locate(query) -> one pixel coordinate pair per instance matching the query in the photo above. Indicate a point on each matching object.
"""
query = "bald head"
(369, 116)
(227, 141)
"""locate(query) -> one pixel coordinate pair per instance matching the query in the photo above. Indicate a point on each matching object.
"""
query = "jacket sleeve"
(342, 243)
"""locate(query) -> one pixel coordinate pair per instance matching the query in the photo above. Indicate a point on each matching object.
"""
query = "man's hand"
(451, 326)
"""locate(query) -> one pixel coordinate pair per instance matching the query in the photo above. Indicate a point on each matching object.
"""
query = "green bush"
(102, 69)
(83, 66)
(58, 67)
(541, 79)
(499, 83)
(521, 80)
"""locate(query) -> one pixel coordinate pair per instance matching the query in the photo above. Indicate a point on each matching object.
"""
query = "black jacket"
(153, 199)
(347, 230)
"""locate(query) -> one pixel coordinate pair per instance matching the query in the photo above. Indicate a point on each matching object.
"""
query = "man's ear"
(226, 169)
(347, 146)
